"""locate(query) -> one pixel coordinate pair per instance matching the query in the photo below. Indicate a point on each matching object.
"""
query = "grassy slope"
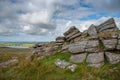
(8, 53)
(46, 70)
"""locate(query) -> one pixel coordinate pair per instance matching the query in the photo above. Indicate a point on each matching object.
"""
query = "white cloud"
(36, 17)
(50, 17)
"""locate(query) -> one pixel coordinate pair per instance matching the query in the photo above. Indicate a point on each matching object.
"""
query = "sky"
(44, 20)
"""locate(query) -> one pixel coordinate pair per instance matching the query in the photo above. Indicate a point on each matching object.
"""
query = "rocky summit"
(97, 44)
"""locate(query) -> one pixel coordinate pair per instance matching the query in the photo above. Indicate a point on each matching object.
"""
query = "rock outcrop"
(44, 49)
(94, 46)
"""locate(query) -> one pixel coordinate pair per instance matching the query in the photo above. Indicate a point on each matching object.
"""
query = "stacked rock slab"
(42, 49)
(108, 25)
(72, 34)
(60, 40)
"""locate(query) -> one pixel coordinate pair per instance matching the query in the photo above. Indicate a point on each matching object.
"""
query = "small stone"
(61, 63)
(72, 67)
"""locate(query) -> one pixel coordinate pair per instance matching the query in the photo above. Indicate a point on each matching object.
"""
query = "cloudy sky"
(43, 20)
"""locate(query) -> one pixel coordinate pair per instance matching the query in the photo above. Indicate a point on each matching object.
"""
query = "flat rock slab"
(74, 36)
(78, 47)
(70, 30)
(110, 44)
(92, 43)
(78, 58)
(92, 46)
(72, 33)
(95, 59)
(112, 58)
(108, 25)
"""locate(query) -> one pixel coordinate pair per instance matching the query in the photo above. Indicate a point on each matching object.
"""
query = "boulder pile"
(94, 45)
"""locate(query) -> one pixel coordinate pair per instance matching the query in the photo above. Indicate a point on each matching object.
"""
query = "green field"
(24, 44)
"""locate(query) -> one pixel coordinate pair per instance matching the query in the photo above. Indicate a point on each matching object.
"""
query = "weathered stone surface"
(72, 67)
(92, 43)
(78, 57)
(92, 46)
(77, 39)
(72, 33)
(64, 47)
(118, 36)
(74, 36)
(60, 39)
(108, 35)
(49, 49)
(78, 47)
(118, 44)
(71, 29)
(95, 59)
(110, 44)
(61, 63)
(91, 50)
(119, 41)
(113, 58)
(118, 47)
(93, 37)
(7, 63)
(107, 25)
(59, 43)
(92, 31)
